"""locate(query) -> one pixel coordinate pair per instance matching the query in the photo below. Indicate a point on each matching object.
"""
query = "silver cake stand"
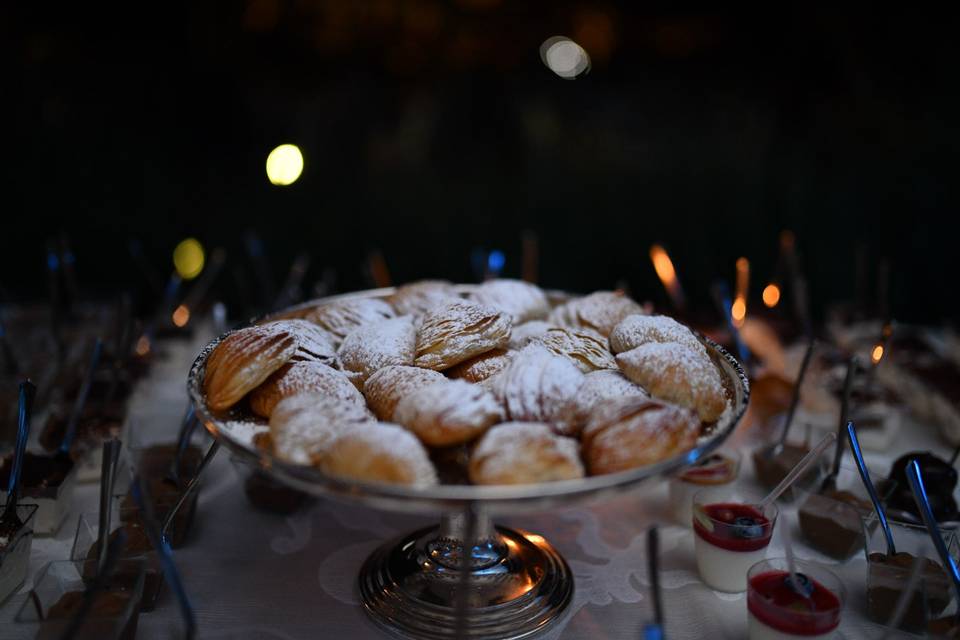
(508, 583)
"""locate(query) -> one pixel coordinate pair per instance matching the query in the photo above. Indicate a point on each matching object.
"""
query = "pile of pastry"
(515, 389)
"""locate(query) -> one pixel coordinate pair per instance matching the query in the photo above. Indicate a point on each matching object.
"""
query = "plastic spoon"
(871, 490)
(915, 481)
(654, 630)
(795, 399)
(170, 572)
(830, 482)
(27, 392)
(797, 581)
(798, 470)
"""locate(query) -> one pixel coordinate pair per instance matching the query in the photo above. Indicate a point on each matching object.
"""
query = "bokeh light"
(181, 316)
(877, 354)
(662, 264)
(771, 295)
(564, 57)
(188, 258)
(284, 165)
(738, 311)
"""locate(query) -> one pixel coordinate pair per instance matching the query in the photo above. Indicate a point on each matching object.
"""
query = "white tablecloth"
(253, 575)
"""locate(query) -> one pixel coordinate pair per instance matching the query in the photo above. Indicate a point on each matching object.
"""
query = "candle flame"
(663, 265)
(181, 316)
(877, 354)
(771, 295)
(738, 311)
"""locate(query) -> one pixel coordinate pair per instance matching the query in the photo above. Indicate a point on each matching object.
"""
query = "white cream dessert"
(729, 538)
(781, 607)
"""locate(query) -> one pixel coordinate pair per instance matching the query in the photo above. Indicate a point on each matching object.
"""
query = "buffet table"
(258, 575)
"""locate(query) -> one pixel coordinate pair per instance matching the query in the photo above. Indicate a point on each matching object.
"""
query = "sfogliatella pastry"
(634, 432)
(539, 386)
(416, 298)
(481, 367)
(524, 452)
(637, 330)
(456, 331)
(520, 335)
(521, 300)
(376, 345)
(389, 385)
(380, 453)
(303, 377)
(448, 413)
(677, 373)
(315, 343)
(243, 360)
(600, 311)
(302, 427)
(601, 387)
(585, 348)
(340, 317)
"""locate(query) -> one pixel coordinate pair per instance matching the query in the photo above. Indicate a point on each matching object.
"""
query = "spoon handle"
(915, 480)
(871, 490)
(25, 410)
(111, 452)
(795, 399)
(191, 486)
(844, 415)
(653, 571)
(798, 470)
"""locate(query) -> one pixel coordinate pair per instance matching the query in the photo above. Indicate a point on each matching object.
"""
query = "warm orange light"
(771, 295)
(143, 346)
(663, 265)
(877, 354)
(535, 538)
(181, 316)
(738, 311)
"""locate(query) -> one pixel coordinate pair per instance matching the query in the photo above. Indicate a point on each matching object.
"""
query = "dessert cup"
(138, 546)
(15, 545)
(47, 482)
(716, 470)
(887, 576)
(58, 592)
(770, 467)
(777, 611)
(731, 534)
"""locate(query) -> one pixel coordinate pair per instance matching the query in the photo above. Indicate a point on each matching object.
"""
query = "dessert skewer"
(871, 489)
(158, 539)
(830, 482)
(654, 630)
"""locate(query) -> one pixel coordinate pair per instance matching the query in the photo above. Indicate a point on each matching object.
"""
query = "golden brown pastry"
(600, 311)
(303, 377)
(539, 386)
(456, 331)
(523, 453)
(633, 432)
(416, 298)
(521, 335)
(635, 330)
(380, 452)
(448, 413)
(676, 373)
(315, 343)
(385, 388)
(243, 360)
(585, 348)
(481, 367)
(521, 300)
(601, 387)
(376, 345)
(340, 317)
(302, 427)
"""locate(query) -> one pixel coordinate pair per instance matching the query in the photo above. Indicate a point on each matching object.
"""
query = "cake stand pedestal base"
(517, 583)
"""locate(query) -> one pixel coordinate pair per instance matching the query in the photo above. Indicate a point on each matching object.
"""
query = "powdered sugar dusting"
(340, 317)
(636, 330)
(602, 386)
(481, 367)
(521, 300)
(449, 412)
(315, 342)
(585, 348)
(385, 388)
(521, 334)
(601, 311)
(380, 452)
(416, 298)
(519, 452)
(302, 377)
(304, 426)
(456, 331)
(376, 345)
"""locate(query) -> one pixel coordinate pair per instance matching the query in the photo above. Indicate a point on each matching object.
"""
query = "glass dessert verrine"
(86, 551)
(48, 482)
(772, 463)
(731, 534)
(58, 594)
(887, 575)
(16, 538)
(781, 606)
(716, 470)
(831, 520)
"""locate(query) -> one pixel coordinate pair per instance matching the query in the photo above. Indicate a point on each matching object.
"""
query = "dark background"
(432, 128)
